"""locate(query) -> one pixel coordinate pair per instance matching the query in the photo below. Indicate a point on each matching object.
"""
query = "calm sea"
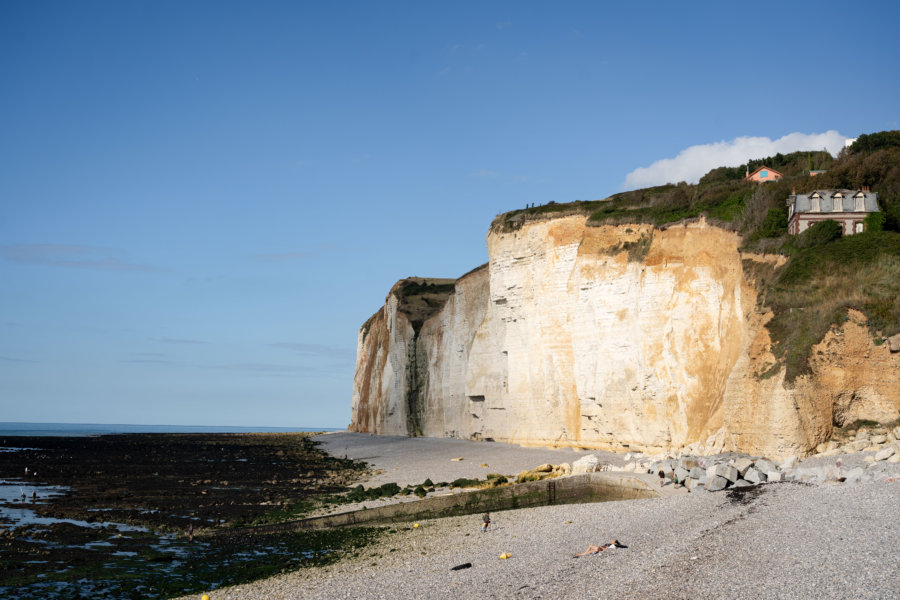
(83, 429)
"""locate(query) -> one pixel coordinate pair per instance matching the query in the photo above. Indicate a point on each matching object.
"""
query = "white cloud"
(694, 162)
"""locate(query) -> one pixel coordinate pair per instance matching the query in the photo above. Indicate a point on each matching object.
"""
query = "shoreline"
(781, 540)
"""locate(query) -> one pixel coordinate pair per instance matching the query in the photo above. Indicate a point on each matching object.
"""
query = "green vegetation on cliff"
(826, 274)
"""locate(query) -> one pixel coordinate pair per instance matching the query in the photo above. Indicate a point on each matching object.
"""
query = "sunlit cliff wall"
(611, 337)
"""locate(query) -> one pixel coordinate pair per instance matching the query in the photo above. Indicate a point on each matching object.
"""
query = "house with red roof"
(763, 174)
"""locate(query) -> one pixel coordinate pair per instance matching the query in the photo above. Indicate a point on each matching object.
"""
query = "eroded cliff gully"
(612, 337)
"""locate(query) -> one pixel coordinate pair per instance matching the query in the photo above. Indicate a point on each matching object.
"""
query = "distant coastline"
(87, 429)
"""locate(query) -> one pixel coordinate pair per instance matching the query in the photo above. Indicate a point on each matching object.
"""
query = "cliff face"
(610, 337)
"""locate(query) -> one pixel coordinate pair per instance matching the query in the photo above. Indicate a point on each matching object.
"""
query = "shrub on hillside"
(819, 234)
(874, 222)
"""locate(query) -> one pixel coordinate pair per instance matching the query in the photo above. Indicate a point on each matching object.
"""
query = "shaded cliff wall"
(408, 373)
(611, 337)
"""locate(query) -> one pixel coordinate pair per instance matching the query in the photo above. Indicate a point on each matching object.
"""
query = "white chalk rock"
(586, 464)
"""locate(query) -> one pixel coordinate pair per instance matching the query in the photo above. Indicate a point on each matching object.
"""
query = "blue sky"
(201, 202)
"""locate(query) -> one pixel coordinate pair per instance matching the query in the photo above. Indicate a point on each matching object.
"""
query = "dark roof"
(803, 202)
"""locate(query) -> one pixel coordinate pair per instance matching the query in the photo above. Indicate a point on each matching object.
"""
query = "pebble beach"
(778, 540)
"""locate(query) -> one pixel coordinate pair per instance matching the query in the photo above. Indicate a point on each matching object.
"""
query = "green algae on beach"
(121, 528)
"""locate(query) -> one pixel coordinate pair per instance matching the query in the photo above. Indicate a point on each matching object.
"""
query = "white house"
(847, 207)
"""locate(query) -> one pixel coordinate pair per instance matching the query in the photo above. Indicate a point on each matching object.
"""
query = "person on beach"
(191, 533)
(662, 478)
(592, 549)
(485, 521)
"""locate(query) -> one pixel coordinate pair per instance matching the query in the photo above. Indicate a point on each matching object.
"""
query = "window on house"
(838, 203)
(860, 203)
(763, 174)
(815, 202)
(858, 227)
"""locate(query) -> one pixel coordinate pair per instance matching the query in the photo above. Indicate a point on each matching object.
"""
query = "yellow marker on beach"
(415, 525)
(505, 555)
(204, 597)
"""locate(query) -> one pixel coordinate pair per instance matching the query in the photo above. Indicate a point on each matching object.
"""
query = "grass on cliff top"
(813, 292)
(420, 298)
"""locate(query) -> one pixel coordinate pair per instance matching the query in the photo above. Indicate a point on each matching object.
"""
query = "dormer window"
(859, 202)
(838, 202)
(815, 203)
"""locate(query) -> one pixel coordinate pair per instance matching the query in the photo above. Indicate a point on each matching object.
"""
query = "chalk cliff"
(613, 337)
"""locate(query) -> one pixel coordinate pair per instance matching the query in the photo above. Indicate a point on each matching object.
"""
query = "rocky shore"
(804, 537)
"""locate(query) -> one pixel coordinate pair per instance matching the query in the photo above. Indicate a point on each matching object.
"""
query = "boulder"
(742, 483)
(722, 470)
(564, 468)
(586, 464)
(755, 476)
(773, 476)
(687, 463)
(896, 432)
(764, 465)
(862, 434)
(716, 483)
(857, 446)
(544, 468)
(893, 343)
(742, 464)
(697, 472)
(681, 473)
(692, 484)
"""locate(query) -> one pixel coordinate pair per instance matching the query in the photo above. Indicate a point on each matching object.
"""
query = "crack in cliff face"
(416, 382)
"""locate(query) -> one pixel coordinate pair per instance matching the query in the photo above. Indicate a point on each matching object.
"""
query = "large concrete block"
(773, 476)
(697, 472)
(717, 483)
(681, 473)
(723, 470)
(742, 464)
(687, 463)
(764, 465)
(753, 475)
